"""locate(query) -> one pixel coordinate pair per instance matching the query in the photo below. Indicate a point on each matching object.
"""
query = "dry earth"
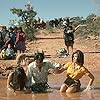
(52, 42)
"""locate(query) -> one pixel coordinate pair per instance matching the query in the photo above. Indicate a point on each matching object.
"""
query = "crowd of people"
(12, 41)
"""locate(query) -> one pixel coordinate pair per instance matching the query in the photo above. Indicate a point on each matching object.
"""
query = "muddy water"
(53, 94)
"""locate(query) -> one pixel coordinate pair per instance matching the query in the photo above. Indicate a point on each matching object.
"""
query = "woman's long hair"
(80, 58)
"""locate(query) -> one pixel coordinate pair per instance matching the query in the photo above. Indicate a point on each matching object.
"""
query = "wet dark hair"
(39, 56)
(80, 58)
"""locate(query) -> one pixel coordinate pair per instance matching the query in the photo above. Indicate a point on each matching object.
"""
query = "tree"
(27, 16)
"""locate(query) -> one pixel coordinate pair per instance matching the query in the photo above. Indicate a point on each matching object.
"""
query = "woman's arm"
(90, 82)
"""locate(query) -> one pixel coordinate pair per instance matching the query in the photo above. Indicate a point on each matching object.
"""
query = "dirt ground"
(52, 42)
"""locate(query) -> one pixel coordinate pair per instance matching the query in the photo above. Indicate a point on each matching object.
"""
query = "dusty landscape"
(51, 42)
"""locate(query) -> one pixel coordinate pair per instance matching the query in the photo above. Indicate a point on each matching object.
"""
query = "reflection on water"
(53, 94)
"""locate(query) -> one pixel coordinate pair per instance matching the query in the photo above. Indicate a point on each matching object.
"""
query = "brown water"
(54, 94)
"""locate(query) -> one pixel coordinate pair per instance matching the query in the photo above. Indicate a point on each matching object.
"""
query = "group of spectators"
(12, 41)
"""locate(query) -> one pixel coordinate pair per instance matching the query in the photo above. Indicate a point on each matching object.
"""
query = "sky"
(47, 9)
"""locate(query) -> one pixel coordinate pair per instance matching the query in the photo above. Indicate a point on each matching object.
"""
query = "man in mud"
(37, 73)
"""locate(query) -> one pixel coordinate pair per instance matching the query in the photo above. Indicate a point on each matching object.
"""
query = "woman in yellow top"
(74, 70)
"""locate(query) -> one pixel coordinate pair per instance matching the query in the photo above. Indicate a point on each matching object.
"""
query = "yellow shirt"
(75, 73)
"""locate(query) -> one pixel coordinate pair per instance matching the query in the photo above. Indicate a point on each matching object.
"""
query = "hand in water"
(88, 89)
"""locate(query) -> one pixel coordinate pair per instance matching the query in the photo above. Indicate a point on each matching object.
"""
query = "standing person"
(7, 41)
(15, 32)
(15, 29)
(1, 41)
(74, 72)
(12, 35)
(69, 36)
(20, 41)
(4, 31)
(38, 71)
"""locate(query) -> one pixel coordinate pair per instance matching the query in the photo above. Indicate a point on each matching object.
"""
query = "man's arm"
(57, 70)
(78, 27)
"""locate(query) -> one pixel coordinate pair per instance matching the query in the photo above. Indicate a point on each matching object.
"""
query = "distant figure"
(20, 41)
(4, 32)
(7, 40)
(1, 41)
(74, 72)
(69, 36)
(12, 35)
(9, 52)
